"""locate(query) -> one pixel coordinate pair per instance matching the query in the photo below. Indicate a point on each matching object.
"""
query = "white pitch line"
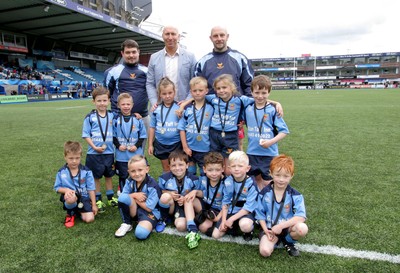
(328, 250)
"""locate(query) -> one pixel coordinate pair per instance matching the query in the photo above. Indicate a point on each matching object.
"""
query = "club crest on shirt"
(231, 106)
(287, 208)
(151, 216)
(133, 127)
(220, 65)
(207, 115)
(82, 181)
(229, 150)
(244, 189)
(132, 75)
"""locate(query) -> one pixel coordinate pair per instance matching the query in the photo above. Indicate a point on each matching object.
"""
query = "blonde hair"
(124, 96)
(72, 147)
(198, 80)
(137, 158)
(228, 79)
(238, 156)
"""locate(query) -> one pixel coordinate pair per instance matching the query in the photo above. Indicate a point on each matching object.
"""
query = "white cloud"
(276, 28)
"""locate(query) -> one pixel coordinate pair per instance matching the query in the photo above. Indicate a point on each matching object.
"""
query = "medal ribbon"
(208, 206)
(234, 201)
(219, 112)
(79, 178)
(198, 127)
(262, 120)
(166, 116)
(280, 207)
(130, 131)
(103, 134)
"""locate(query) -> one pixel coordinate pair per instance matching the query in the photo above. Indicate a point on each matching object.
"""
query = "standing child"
(194, 126)
(139, 199)
(264, 129)
(178, 187)
(76, 185)
(208, 209)
(98, 133)
(280, 210)
(163, 132)
(238, 203)
(129, 134)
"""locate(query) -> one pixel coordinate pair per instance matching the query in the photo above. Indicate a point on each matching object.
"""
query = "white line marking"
(328, 250)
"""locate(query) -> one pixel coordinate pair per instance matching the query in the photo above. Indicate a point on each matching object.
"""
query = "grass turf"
(345, 144)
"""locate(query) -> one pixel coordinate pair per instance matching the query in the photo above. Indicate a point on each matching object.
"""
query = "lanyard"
(280, 207)
(215, 193)
(262, 120)
(180, 187)
(139, 189)
(103, 134)
(130, 130)
(166, 116)
(79, 178)
(219, 112)
(234, 201)
(201, 119)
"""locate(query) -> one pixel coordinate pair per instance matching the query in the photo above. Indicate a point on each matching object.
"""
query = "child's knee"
(88, 218)
(141, 233)
(265, 251)
(301, 229)
(165, 198)
(246, 225)
(180, 225)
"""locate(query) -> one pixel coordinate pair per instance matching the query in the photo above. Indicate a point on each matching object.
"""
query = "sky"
(273, 29)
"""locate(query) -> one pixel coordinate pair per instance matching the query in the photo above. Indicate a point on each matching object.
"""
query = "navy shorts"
(260, 165)
(101, 165)
(162, 151)
(224, 145)
(198, 158)
(143, 215)
(121, 168)
(87, 204)
(179, 211)
(235, 230)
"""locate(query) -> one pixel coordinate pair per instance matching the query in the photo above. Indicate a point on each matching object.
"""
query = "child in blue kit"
(98, 133)
(238, 202)
(76, 185)
(178, 187)
(208, 209)
(163, 132)
(139, 200)
(280, 210)
(129, 134)
(264, 129)
(194, 125)
(227, 105)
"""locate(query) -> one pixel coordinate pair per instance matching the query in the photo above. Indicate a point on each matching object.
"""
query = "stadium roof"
(64, 20)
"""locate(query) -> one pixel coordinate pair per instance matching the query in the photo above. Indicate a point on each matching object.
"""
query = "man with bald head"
(224, 60)
(174, 62)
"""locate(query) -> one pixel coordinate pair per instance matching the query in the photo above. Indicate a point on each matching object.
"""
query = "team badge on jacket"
(133, 75)
(220, 65)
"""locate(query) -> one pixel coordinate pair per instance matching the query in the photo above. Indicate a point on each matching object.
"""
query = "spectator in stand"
(173, 62)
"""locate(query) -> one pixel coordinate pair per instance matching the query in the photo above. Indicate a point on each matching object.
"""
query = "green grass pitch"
(346, 147)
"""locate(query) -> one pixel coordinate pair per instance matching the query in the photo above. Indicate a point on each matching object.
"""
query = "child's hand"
(95, 209)
(132, 149)
(100, 149)
(70, 196)
(187, 151)
(276, 230)
(179, 112)
(265, 143)
(190, 196)
(154, 107)
(139, 196)
(151, 150)
(181, 200)
(279, 109)
(122, 148)
(175, 196)
(229, 223)
(137, 115)
(222, 227)
(270, 235)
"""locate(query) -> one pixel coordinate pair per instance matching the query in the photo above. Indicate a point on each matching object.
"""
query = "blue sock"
(98, 196)
(192, 169)
(191, 226)
(289, 239)
(110, 194)
(141, 233)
